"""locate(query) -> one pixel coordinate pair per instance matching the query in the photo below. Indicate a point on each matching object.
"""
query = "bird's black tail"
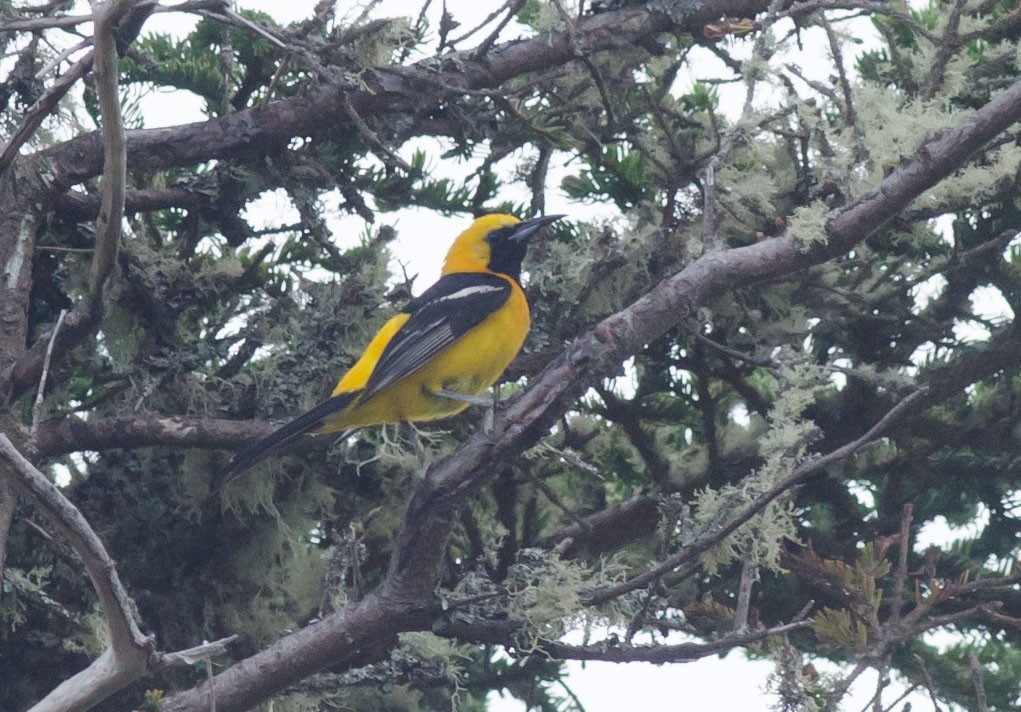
(304, 423)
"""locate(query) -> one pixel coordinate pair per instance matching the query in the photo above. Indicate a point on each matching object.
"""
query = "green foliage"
(21, 588)
(841, 629)
(702, 97)
(196, 66)
(617, 174)
(153, 701)
(852, 627)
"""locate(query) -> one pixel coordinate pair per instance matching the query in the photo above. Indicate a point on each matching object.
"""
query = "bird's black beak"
(526, 228)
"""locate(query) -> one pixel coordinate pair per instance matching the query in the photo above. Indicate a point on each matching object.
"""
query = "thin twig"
(818, 86)
(59, 59)
(593, 70)
(929, 684)
(735, 354)
(227, 16)
(556, 502)
(850, 116)
(418, 30)
(572, 459)
(386, 153)
(37, 24)
(948, 47)
(37, 408)
(882, 682)
(514, 7)
(749, 572)
(982, 704)
(489, 18)
(901, 574)
(903, 696)
(840, 689)
(709, 241)
(638, 620)
(682, 652)
(570, 693)
(191, 656)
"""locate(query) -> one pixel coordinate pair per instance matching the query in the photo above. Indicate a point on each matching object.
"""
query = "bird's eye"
(500, 234)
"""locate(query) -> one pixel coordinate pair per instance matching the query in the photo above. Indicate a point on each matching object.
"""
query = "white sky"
(730, 683)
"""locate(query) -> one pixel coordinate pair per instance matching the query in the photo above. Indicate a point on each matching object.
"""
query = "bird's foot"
(464, 397)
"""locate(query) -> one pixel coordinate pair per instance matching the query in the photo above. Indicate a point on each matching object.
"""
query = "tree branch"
(108, 225)
(127, 658)
(381, 91)
(71, 434)
(113, 161)
(42, 108)
(502, 633)
(81, 207)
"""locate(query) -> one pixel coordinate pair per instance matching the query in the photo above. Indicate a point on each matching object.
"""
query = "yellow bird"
(441, 351)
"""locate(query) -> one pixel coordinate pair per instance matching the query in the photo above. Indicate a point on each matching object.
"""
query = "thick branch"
(108, 226)
(81, 207)
(597, 353)
(8, 502)
(358, 634)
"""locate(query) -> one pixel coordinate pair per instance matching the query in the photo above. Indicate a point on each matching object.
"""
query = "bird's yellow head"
(494, 243)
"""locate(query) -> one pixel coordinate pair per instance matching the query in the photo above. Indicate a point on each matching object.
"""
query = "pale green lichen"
(544, 593)
(441, 654)
(783, 446)
(789, 683)
(890, 129)
(807, 226)
(977, 181)
(758, 542)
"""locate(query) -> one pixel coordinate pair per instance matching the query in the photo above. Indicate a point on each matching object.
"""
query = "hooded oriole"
(441, 351)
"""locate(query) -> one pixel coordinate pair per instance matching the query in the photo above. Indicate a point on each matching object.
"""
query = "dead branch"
(128, 656)
(131, 654)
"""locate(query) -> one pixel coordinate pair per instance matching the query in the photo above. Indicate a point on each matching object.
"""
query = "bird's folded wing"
(439, 317)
